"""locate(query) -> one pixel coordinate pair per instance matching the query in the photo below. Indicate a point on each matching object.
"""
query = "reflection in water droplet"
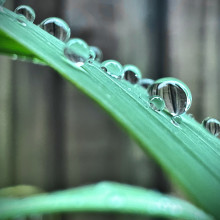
(175, 93)
(212, 125)
(26, 11)
(113, 68)
(2, 2)
(146, 82)
(22, 20)
(56, 27)
(98, 56)
(157, 103)
(77, 50)
(176, 120)
(131, 73)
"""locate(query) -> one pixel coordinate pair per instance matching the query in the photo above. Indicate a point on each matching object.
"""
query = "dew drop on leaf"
(77, 50)
(98, 56)
(175, 93)
(131, 73)
(113, 68)
(157, 103)
(191, 116)
(56, 27)
(146, 82)
(176, 120)
(26, 11)
(212, 125)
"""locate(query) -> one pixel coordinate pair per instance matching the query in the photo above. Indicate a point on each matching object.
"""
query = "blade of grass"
(102, 197)
(188, 153)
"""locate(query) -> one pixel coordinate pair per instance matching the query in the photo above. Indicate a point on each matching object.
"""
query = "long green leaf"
(188, 153)
(102, 197)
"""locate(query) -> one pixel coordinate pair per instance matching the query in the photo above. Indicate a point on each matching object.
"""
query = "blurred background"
(54, 137)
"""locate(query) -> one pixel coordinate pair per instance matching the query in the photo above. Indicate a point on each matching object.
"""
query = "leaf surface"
(102, 197)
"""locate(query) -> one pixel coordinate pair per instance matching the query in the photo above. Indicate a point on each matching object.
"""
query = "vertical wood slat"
(33, 153)
(193, 52)
(5, 126)
(106, 143)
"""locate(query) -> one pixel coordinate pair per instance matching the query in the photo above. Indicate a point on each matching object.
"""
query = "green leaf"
(102, 197)
(188, 153)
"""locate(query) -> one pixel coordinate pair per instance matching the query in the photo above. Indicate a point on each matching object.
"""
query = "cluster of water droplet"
(168, 94)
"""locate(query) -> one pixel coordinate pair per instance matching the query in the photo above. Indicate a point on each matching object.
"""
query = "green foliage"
(102, 197)
(188, 153)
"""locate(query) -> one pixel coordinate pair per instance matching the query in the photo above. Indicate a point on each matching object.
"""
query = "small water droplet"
(212, 125)
(77, 50)
(175, 93)
(131, 73)
(157, 103)
(98, 56)
(191, 115)
(146, 82)
(14, 57)
(2, 2)
(176, 120)
(26, 11)
(56, 27)
(113, 68)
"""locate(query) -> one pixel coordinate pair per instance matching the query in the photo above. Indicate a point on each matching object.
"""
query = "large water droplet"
(77, 50)
(56, 27)
(212, 125)
(131, 73)
(174, 92)
(157, 103)
(113, 68)
(2, 2)
(98, 53)
(26, 11)
(146, 82)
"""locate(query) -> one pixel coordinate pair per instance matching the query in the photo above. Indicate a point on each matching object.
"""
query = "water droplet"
(14, 57)
(77, 50)
(176, 120)
(157, 103)
(191, 116)
(146, 82)
(56, 27)
(131, 73)
(26, 11)
(98, 56)
(175, 93)
(113, 68)
(212, 125)
(2, 2)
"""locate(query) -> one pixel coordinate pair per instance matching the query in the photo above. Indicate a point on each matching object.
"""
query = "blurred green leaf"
(188, 153)
(103, 197)
(20, 191)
